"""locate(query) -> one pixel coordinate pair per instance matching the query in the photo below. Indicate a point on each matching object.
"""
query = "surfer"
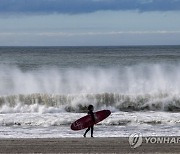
(90, 112)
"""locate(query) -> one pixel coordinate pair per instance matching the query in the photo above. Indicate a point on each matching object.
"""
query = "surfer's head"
(90, 107)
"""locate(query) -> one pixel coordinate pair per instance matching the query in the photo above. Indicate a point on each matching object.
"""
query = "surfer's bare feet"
(92, 136)
(84, 135)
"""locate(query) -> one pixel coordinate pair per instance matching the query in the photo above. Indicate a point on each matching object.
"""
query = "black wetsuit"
(92, 115)
(92, 127)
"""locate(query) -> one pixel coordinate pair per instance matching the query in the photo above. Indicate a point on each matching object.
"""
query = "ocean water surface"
(44, 89)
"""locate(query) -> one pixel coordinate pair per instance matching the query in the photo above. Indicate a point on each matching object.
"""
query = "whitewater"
(44, 89)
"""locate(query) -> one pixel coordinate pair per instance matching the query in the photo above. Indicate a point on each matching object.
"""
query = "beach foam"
(118, 124)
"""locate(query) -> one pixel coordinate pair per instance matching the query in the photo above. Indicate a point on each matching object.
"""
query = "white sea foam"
(118, 124)
(116, 118)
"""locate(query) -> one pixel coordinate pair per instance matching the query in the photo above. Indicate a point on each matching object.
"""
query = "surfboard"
(87, 121)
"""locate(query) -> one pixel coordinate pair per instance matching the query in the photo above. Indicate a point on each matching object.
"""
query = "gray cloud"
(84, 6)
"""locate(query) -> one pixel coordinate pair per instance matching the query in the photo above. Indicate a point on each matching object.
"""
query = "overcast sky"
(89, 22)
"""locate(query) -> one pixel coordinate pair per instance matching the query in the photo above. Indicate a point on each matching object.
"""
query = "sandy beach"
(82, 145)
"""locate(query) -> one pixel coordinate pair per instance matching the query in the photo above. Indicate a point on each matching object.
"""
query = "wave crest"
(79, 102)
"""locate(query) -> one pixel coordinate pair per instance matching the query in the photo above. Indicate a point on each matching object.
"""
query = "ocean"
(44, 89)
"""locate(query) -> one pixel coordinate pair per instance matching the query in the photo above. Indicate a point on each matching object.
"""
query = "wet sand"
(82, 145)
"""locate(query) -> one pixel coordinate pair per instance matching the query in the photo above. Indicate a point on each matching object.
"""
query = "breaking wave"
(78, 103)
(139, 87)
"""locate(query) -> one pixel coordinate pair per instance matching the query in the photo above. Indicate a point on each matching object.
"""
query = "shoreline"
(83, 145)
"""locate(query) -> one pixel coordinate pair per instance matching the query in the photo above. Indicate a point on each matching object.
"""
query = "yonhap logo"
(135, 140)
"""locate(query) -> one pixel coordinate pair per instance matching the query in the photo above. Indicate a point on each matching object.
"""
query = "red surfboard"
(87, 121)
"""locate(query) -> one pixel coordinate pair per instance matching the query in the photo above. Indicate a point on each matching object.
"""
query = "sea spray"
(137, 79)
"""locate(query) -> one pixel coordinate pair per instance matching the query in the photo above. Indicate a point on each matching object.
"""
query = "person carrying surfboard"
(90, 112)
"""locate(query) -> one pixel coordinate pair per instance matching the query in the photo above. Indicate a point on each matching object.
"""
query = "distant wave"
(78, 103)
